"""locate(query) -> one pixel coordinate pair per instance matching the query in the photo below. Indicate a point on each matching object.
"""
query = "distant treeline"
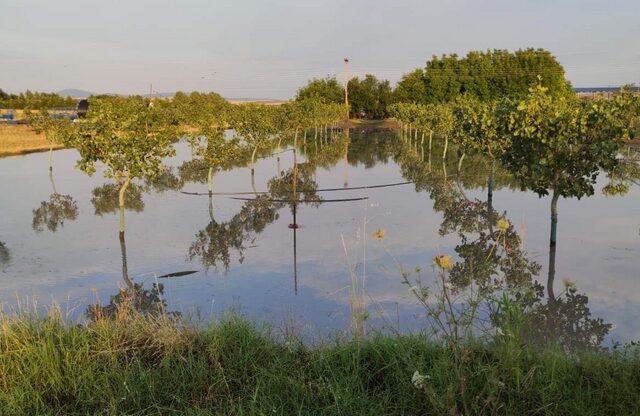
(34, 101)
(484, 75)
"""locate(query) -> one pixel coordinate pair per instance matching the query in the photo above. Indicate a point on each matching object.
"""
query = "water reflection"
(214, 244)
(54, 212)
(261, 239)
(105, 198)
(5, 256)
(490, 259)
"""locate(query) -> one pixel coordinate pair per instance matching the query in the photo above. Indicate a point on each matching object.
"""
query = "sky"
(268, 49)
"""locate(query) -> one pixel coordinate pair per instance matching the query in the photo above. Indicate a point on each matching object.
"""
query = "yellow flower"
(378, 234)
(503, 225)
(568, 284)
(444, 262)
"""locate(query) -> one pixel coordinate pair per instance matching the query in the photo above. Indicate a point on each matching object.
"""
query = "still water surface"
(249, 256)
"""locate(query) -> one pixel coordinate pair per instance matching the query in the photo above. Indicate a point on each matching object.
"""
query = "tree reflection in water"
(134, 297)
(54, 212)
(105, 198)
(5, 256)
(491, 262)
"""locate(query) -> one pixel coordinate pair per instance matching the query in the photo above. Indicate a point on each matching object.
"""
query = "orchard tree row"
(130, 136)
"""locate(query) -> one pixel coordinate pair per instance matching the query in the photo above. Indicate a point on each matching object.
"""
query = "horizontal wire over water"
(304, 201)
(317, 190)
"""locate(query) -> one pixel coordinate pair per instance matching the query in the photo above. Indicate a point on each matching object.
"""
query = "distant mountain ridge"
(74, 93)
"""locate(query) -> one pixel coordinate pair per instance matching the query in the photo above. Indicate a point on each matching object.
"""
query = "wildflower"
(378, 234)
(419, 380)
(444, 262)
(569, 284)
(503, 225)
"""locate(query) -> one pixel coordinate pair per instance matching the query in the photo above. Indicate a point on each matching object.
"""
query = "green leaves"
(560, 143)
(129, 136)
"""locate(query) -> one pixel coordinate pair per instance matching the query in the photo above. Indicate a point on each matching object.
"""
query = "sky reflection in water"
(60, 236)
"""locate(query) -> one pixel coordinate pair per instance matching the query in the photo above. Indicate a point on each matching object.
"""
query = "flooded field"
(370, 207)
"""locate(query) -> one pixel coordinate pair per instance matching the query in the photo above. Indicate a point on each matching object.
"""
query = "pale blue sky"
(267, 49)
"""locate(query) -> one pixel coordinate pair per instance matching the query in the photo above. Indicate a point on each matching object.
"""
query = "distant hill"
(74, 93)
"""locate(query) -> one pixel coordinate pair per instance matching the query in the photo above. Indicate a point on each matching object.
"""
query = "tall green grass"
(144, 365)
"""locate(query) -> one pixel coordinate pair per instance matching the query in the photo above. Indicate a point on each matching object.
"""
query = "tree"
(55, 129)
(558, 146)
(207, 117)
(411, 88)
(326, 90)
(486, 75)
(369, 98)
(129, 136)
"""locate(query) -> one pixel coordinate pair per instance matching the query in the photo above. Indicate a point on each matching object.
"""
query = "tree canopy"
(486, 75)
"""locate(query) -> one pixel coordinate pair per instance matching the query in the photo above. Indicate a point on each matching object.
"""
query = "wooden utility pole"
(346, 85)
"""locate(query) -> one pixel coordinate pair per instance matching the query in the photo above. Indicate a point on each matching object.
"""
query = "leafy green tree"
(558, 146)
(369, 97)
(128, 136)
(411, 88)
(256, 125)
(207, 117)
(486, 75)
(54, 129)
(326, 90)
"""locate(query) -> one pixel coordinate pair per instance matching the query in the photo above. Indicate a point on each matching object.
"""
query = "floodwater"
(60, 243)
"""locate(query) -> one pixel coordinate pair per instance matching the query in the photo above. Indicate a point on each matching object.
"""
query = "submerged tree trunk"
(50, 156)
(253, 160)
(554, 217)
(123, 189)
(446, 145)
(430, 143)
(125, 269)
(210, 180)
(460, 162)
(53, 184)
(490, 195)
(552, 244)
(552, 272)
(211, 208)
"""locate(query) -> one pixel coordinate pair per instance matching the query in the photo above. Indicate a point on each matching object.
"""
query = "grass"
(19, 139)
(142, 365)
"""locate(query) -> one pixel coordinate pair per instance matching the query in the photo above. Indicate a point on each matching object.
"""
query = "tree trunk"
(53, 184)
(552, 272)
(211, 208)
(552, 244)
(554, 217)
(446, 145)
(253, 159)
(430, 142)
(123, 189)
(50, 156)
(125, 269)
(210, 180)
(460, 162)
(490, 196)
